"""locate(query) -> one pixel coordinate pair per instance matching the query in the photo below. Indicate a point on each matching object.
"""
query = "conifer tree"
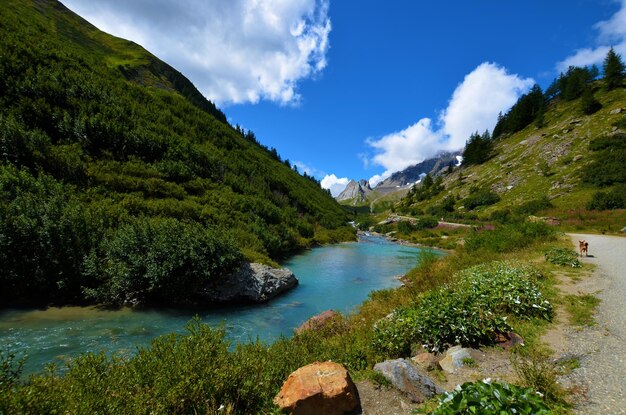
(588, 103)
(613, 70)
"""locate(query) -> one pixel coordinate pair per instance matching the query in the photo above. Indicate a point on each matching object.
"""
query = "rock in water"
(318, 388)
(252, 282)
(406, 378)
(317, 321)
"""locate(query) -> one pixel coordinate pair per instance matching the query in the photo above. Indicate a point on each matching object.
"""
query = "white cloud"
(334, 184)
(611, 32)
(404, 148)
(475, 104)
(310, 170)
(234, 51)
(377, 178)
(477, 100)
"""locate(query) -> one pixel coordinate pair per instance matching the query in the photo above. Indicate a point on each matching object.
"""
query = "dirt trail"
(602, 348)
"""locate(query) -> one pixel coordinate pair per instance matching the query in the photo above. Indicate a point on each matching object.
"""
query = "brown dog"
(583, 247)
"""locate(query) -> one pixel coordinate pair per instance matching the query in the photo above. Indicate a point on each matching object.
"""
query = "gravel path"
(602, 348)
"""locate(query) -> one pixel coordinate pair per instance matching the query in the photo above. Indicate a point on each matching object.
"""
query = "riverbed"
(338, 277)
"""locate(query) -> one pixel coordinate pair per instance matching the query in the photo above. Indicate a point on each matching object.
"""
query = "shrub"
(469, 313)
(533, 206)
(158, 259)
(563, 256)
(483, 197)
(426, 222)
(485, 397)
(610, 200)
(509, 237)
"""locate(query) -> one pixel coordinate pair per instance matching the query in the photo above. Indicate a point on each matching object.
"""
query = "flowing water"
(338, 277)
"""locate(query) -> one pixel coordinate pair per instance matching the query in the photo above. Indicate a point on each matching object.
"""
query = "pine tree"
(613, 70)
(588, 103)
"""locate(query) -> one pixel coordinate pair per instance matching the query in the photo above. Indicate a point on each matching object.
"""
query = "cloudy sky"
(351, 90)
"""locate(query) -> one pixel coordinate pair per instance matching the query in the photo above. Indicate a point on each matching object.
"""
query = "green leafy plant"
(482, 197)
(470, 312)
(491, 398)
(563, 256)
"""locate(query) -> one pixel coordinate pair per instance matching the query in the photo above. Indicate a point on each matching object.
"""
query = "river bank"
(338, 277)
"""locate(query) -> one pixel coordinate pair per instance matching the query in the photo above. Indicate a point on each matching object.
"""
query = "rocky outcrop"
(356, 192)
(318, 388)
(408, 379)
(251, 282)
(317, 321)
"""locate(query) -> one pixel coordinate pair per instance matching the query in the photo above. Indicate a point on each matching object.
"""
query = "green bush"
(483, 197)
(509, 237)
(158, 260)
(469, 313)
(491, 398)
(563, 256)
(606, 167)
(609, 200)
(533, 206)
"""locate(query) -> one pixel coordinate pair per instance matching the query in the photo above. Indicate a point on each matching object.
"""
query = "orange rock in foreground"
(318, 388)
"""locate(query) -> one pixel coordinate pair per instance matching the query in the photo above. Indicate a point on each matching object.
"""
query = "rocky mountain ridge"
(355, 192)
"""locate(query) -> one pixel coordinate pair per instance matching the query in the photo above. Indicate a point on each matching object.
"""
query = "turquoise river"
(338, 277)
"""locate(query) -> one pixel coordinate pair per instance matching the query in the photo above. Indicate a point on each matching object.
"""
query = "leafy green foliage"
(491, 398)
(533, 206)
(609, 200)
(469, 313)
(563, 256)
(197, 372)
(613, 70)
(95, 132)
(509, 237)
(159, 261)
(480, 197)
(608, 160)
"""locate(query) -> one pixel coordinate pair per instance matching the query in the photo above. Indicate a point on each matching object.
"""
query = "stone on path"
(508, 340)
(408, 379)
(425, 360)
(318, 388)
(453, 358)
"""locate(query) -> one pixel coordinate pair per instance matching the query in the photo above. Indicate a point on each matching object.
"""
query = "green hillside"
(564, 164)
(118, 179)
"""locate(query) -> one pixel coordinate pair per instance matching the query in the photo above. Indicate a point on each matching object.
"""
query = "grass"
(517, 170)
(581, 309)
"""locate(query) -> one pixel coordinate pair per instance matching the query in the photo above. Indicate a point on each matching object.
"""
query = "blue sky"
(348, 89)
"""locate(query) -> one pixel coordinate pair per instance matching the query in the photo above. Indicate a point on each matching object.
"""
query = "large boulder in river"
(318, 388)
(251, 282)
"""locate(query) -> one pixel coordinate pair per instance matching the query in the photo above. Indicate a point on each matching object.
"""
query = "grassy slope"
(135, 62)
(546, 161)
(100, 128)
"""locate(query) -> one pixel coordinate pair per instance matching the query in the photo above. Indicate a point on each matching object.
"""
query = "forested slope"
(119, 180)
